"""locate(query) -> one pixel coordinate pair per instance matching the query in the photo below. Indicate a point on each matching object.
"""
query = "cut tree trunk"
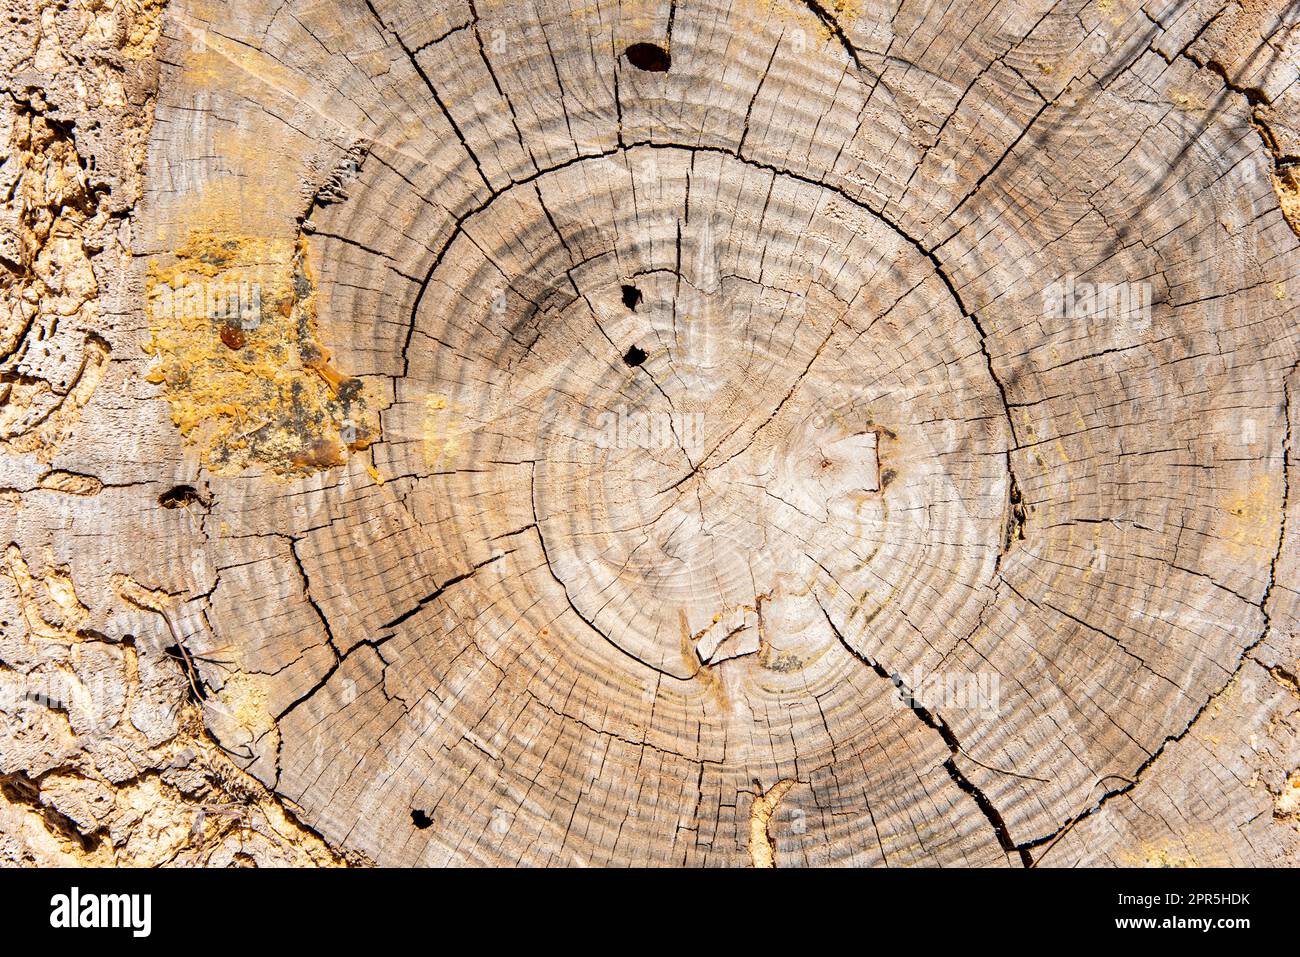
(693, 433)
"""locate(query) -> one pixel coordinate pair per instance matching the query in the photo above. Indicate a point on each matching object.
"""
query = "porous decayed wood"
(704, 433)
(104, 758)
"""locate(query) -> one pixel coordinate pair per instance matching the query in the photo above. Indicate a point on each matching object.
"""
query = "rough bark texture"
(650, 433)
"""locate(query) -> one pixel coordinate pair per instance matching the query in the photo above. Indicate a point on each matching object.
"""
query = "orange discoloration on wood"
(235, 348)
(1252, 516)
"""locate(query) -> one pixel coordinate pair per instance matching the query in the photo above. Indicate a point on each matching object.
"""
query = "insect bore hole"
(631, 297)
(649, 57)
(634, 357)
(181, 496)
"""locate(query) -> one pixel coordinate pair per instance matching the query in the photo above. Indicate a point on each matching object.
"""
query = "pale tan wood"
(608, 450)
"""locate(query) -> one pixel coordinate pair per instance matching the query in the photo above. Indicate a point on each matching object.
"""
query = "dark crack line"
(936, 723)
(437, 98)
(306, 591)
(376, 643)
(830, 23)
(1130, 783)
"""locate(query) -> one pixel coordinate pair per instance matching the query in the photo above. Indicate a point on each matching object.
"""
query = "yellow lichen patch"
(762, 853)
(1252, 517)
(444, 429)
(1157, 855)
(1199, 846)
(846, 11)
(1286, 679)
(236, 350)
(244, 699)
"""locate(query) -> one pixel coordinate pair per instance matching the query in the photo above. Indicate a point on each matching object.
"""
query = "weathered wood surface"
(532, 451)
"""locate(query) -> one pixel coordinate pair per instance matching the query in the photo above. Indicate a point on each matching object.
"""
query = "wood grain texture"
(830, 433)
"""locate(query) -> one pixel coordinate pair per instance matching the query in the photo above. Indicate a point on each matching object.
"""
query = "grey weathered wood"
(483, 564)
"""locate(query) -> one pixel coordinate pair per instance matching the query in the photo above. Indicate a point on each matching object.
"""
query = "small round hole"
(180, 496)
(631, 297)
(634, 357)
(649, 57)
(420, 819)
